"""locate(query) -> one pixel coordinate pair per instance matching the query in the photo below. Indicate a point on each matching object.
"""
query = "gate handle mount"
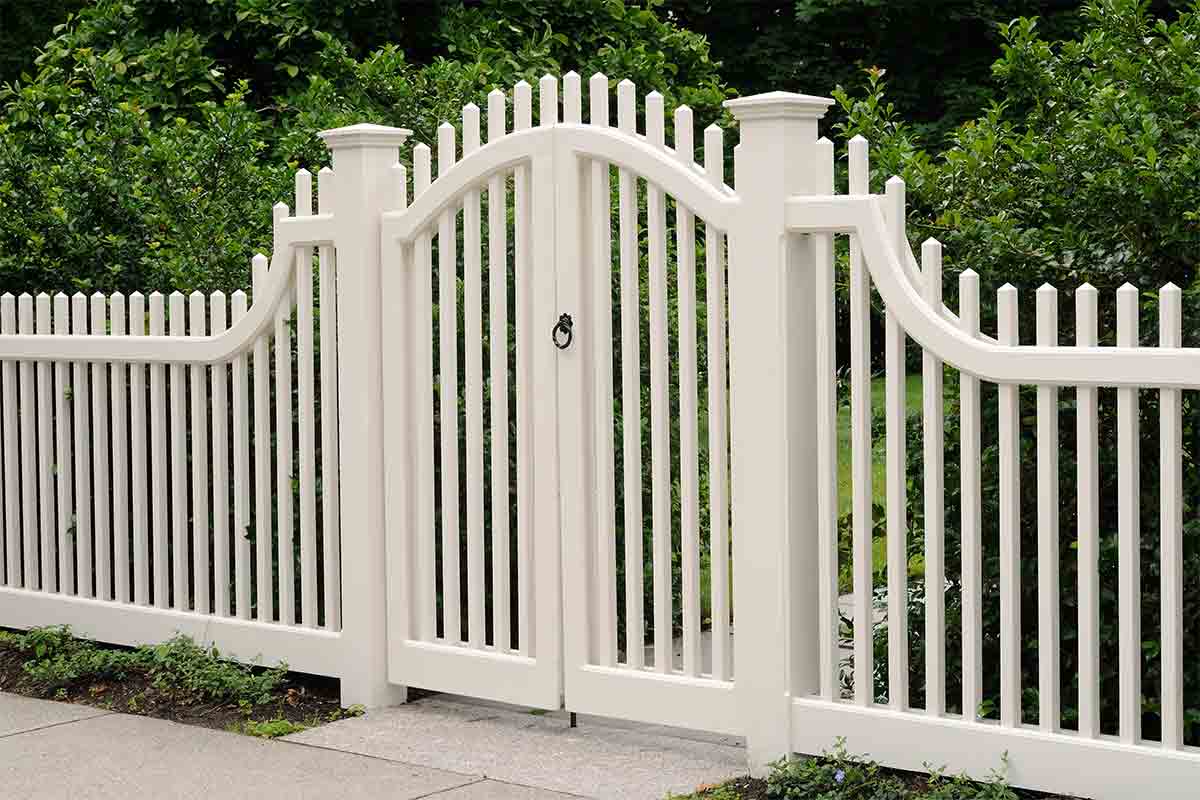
(563, 332)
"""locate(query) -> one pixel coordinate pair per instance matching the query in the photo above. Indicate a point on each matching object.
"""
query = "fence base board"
(1100, 769)
(303, 649)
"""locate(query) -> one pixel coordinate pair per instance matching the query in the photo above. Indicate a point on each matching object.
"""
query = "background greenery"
(142, 143)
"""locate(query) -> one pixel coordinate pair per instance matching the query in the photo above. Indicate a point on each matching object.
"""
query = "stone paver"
(21, 714)
(595, 760)
(121, 756)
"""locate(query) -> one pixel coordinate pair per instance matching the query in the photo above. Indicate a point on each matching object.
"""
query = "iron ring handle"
(563, 332)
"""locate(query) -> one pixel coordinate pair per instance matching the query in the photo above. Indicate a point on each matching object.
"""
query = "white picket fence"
(508, 562)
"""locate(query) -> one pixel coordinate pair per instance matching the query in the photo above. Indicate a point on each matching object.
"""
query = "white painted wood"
(934, 434)
(139, 488)
(101, 491)
(201, 545)
(1129, 571)
(426, 527)
(447, 238)
(80, 398)
(64, 483)
(1088, 517)
(522, 271)
(660, 406)
(971, 502)
(895, 386)
(222, 573)
(1170, 468)
(1049, 705)
(47, 551)
(118, 384)
(284, 454)
(825, 342)
(473, 382)
(263, 574)
(718, 413)
(631, 389)
(27, 410)
(306, 445)
(1010, 520)
(181, 597)
(331, 550)
(604, 608)
(242, 563)
(12, 449)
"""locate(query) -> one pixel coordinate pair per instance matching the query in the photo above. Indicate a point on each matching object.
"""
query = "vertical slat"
(198, 326)
(241, 471)
(285, 543)
(523, 276)
(1010, 521)
(264, 600)
(331, 550)
(689, 435)
(1047, 566)
(80, 395)
(935, 496)
(660, 406)
(1129, 568)
(1088, 517)
(631, 388)
(158, 459)
(62, 453)
(1170, 434)
(140, 498)
(895, 386)
(861, 468)
(426, 556)
(306, 407)
(220, 464)
(448, 396)
(120, 454)
(11, 451)
(497, 199)
(100, 460)
(827, 441)
(718, 419)
(29, 518)
(45, 450)
(971, 516)
(473, 368)
(180, 574)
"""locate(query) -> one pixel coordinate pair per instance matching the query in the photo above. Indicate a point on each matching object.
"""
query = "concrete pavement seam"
(56, 724)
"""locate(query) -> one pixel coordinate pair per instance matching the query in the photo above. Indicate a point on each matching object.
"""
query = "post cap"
(364, 134)
(778, 105)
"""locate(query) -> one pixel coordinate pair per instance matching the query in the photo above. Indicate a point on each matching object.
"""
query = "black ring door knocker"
(564, 332)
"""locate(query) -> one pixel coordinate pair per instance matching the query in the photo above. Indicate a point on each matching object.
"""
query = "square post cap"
(778, 105)
(364, 134)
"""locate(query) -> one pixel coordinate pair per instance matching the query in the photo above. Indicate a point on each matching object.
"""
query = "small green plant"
(268, 729)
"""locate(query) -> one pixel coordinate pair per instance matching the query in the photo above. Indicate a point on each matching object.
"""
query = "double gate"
(541, 549)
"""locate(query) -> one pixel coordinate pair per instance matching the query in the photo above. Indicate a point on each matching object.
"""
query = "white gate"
(494, 539)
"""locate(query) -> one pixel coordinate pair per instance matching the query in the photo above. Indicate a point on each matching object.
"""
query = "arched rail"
(290, 233)
(1170, 368)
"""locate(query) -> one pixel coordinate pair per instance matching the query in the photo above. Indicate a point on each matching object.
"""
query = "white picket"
(263, 534)
(101, 494)
(242, 564)
(934, 433)
(1010, 520)
(1047, 516)
(897, 500)
(120, 454)
(181, 596)
(201, 558)
(523, 277)
(473, 381)
(81, 396)
(220, 465)
(631, 389)
(1088, 517)
(45, 451)
(718, 414)
(971, 504)
(139, 494)
(1129, 569)
(12, 449)
(1171, 554)
(305, 407)
(447, 238)
(825, 341)
(63, 441)
(26, 413)
(284, 541)
(331, 550)
(426, 555)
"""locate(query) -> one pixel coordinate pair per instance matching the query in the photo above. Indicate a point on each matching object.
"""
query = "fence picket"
(1010, 521)
(100, 455)
(263, 575)
(27, 415)
(1088, 517)
(331, 550)
(895, 385)
(448, 396)
(825, 342)
(523, 276)
(473, 374)
(45, 451)
(118, 384)
(220, 465)
(63, 441)
(934, 433)
(1047, 566)
(1129, 569)
(305, 408)
(12, 449)
(284, 475)
(80, 396)
(139, 497)
(197, 326)
(971, 503)
(180, 573)
(242, 564)
(1171, 524)
(426, 585)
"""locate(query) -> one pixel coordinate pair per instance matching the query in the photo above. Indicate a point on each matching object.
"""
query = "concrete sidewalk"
(439, 747)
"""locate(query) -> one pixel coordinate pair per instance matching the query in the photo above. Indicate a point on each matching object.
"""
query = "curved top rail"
(1148, 367)
(918, 280)
(260, 318)
(621, 149)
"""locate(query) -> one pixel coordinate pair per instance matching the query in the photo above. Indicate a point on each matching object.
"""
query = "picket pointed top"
(598, 77)
(496, 93)
(471, 107)
(571, 74)
(968, 273)
(858, 137)
(96, 295)
(218, 295)
(1086, 288)
(522, 84)
(1169, 286)
(1127, 288)
(895, 180)
(1046, 288)
(80, 296)
(626, 82)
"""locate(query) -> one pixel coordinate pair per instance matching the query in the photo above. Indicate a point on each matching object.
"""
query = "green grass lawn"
(845, 479)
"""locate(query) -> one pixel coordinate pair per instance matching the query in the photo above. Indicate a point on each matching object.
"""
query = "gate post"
(362, 159)
(772, 365)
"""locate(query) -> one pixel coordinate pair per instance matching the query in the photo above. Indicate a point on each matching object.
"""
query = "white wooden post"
(772, 279)
(362, 159)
